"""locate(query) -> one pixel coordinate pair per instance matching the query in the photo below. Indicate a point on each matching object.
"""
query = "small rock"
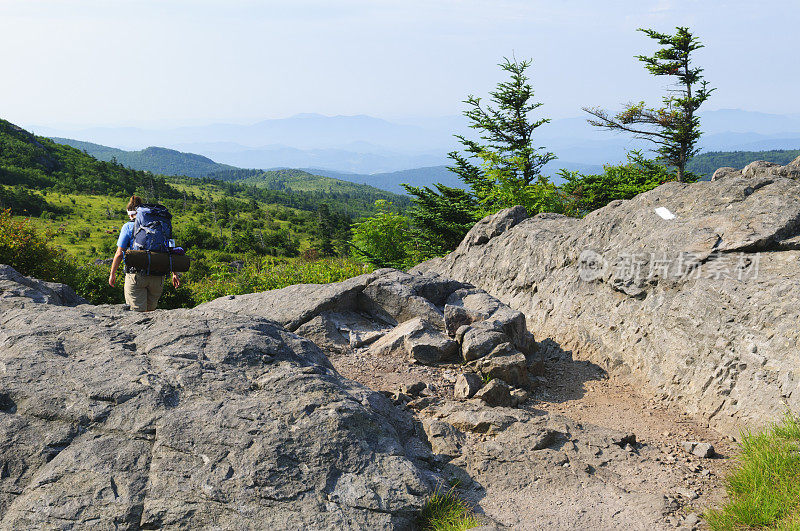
(518, 396)
(400, 398)
(467, 384)
(419, 340)
(495, 393)
(700, 449)
(413, 389)
(479, 340)
(687, 494)
(692, 520)
(506, 363)
(444, 438)
(421, 403)
(455, 317)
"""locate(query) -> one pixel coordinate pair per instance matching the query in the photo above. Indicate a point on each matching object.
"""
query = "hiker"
(142, 291)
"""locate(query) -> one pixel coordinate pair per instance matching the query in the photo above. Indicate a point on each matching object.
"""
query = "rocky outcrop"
(689, 290)
(423, 318)
(760, 168)
(220, 417)
(189, 419)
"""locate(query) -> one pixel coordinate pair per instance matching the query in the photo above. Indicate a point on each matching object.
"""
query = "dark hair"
(134, 203)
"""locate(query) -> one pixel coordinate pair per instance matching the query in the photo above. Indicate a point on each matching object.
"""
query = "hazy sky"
(176, 62)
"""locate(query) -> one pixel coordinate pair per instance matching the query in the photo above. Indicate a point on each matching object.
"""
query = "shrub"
(384, 239)
(270, 273)
(91, 282)
(585, 193)
(25, 249)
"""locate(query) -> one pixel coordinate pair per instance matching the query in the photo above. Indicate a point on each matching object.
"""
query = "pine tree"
(504, 159)
(675, 127)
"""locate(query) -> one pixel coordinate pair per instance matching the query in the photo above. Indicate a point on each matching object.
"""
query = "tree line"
(502, 166)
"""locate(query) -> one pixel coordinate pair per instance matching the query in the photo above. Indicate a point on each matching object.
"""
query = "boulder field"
(691, 291)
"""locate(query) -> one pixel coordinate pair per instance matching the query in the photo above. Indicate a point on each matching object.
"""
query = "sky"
(166, 63)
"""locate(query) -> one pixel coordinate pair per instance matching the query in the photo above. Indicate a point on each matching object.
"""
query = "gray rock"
(474, 305)
(323, 331)
(518, 397)
(189, 419)
(416, 339)
(413, 389)
(763, 168)
(692, 520)
(699, 449)
(357, 312)
(726, 172)
(20, 290)
(480, 339)
(444, 438)
(295, 305)
(505, 363)
(635, 313)
(397, 303)
(431, 347)
(393, 342)
(475, 417)
(467, 384)
(359, 338)
(759, 168)
(455, 317)
(495, 393)
(494, 225)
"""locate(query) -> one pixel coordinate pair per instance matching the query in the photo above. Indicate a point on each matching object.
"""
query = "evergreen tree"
(502, 168)
(675, 127)
(441, 217)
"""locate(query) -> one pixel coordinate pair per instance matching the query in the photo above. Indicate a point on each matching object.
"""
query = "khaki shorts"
(142, 291)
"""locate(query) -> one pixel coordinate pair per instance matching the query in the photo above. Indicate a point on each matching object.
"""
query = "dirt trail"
(656, 485)
(581, 391)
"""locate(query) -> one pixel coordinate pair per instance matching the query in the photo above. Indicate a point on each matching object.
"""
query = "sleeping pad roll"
(153, 263)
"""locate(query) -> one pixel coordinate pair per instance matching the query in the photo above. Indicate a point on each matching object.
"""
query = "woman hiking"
(141, 291)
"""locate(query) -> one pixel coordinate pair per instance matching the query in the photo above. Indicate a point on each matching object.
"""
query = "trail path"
(654, 484)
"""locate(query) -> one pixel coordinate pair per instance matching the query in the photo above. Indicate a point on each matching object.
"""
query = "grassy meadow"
(236, 246)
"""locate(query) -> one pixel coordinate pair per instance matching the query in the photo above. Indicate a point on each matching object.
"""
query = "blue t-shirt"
(125, 236)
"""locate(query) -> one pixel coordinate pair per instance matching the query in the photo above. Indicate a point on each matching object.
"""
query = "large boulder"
(418, 340)
(185, 419)
(689, 290)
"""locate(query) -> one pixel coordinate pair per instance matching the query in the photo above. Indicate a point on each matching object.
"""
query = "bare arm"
(112, 278)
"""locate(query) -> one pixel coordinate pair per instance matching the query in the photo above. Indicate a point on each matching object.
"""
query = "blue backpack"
(152, 229)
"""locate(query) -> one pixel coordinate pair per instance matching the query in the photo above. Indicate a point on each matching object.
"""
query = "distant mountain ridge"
(158, 160)
(367, 145)
(172, 162)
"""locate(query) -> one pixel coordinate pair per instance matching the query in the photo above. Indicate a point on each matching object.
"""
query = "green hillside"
(706, 164)
(358, 196)
(295, 188)
(39, 163)
(241, 237)
(153, 159)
